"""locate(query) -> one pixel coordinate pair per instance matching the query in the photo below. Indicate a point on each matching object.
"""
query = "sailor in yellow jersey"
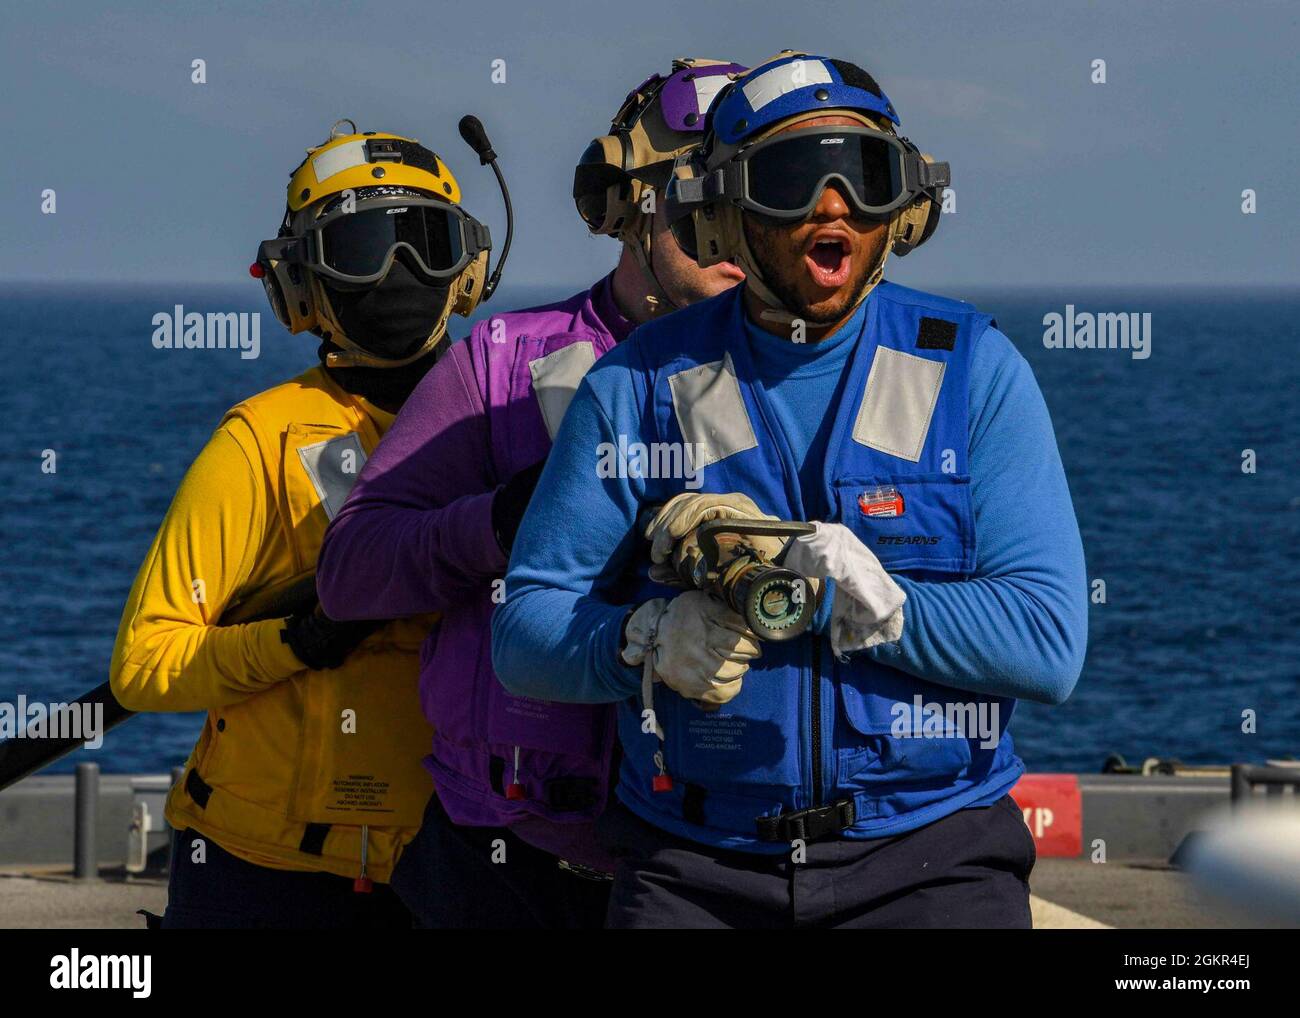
(306, 782)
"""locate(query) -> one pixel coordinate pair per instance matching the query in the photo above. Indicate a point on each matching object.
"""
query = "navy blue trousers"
(225, 892)
(968, 870)
(450, 878)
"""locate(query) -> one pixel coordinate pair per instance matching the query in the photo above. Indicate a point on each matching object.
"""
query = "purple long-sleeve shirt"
(415, 535)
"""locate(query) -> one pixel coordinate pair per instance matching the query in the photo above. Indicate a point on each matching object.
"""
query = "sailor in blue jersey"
(856, 775)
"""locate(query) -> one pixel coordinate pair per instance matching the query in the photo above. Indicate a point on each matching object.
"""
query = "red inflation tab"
(885, 500)
(515, 792)
(1052, 806)
(662, 783)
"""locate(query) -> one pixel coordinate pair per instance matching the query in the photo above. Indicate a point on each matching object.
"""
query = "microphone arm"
(471, 129)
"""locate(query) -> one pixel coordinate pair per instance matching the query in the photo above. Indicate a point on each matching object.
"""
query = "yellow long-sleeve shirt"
(213, 546)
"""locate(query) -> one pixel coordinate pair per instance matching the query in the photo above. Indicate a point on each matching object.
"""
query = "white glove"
(868, 606)
(694, 644)
(682, 513)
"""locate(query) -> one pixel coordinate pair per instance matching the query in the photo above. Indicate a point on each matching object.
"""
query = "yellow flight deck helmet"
(358, 205)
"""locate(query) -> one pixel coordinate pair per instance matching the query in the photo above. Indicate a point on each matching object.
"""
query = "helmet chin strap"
(354, 357)
(638, 238)
(776, 311)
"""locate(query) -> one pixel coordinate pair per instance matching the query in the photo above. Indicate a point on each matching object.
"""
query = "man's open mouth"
(828, 262)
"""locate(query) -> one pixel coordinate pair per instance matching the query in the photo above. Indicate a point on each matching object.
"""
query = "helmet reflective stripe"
(777, 81)
(335, 160)
(362, 160)
(706, 90)
(792, 86)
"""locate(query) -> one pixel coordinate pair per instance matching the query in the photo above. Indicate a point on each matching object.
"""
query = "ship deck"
(1067, 894)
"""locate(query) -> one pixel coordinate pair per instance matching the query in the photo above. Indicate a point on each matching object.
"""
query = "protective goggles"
(357, 247)
(783, 176)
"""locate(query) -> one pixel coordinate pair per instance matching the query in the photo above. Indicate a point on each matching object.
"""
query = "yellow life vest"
(292, 775)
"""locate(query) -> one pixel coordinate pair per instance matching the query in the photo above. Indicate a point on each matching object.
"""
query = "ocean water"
(1199, 559)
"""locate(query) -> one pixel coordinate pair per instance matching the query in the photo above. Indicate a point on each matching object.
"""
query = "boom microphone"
(472, 130)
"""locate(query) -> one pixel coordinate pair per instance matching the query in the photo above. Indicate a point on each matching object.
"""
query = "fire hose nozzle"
(776, 603)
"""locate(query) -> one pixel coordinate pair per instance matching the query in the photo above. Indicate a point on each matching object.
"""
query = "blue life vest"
(808, 730)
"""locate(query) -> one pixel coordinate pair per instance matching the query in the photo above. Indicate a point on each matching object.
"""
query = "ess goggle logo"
(882, 501)
(832, 141)
(393, 212)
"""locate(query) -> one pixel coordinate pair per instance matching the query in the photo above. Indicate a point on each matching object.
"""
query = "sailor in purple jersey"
(429, 525)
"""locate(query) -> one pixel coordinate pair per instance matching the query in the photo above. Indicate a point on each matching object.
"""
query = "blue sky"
(1058, 180)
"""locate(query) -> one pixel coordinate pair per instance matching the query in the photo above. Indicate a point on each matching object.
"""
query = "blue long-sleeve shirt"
(803, 382)
(1017, 628)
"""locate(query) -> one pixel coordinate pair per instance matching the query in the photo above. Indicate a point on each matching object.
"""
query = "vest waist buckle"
(810, 824)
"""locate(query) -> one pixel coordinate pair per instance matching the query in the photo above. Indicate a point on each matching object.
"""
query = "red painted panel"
(1053, 810)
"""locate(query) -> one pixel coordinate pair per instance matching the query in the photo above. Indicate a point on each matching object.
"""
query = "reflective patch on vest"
(555, 380)
(902, 390)
(771, 85)
(333, 466)
(711, 411)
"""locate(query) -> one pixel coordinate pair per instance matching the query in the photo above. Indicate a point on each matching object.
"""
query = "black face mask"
(393, 318)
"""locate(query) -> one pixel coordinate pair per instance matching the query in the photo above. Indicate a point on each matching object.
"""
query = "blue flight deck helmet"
(792, 86)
